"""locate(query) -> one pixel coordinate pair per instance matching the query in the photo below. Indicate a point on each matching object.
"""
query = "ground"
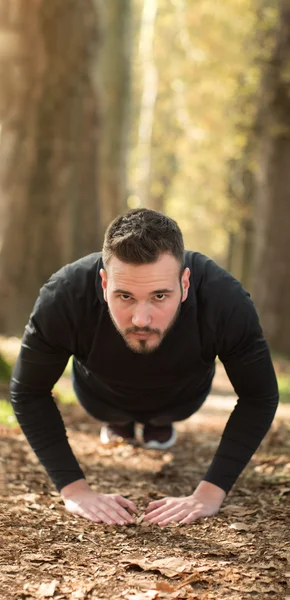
(243, 552)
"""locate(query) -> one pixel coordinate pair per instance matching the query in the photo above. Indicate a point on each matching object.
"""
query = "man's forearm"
(43, 427)
(243, 434)
(60, 464)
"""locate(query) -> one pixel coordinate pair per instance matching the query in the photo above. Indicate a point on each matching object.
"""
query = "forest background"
(182, 106)
(177, 105)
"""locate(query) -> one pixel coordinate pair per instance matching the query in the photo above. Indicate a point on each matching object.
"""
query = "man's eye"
(160, 297)
(125, 297)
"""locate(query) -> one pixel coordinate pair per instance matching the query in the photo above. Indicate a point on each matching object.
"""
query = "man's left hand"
(204, 502)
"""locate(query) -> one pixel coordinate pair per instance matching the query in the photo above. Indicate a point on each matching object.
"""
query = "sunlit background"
(182, 106)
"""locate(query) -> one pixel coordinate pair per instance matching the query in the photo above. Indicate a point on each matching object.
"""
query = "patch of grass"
(284, 386)
(64, 394)
(5, 369)
(64, 391)
(7, 416)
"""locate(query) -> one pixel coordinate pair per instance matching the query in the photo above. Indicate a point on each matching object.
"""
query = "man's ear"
(185, 283)
(104, 279)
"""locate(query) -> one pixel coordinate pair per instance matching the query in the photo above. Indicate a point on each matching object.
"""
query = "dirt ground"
(243, 552)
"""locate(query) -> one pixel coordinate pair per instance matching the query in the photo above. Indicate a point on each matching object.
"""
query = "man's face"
(144, 300)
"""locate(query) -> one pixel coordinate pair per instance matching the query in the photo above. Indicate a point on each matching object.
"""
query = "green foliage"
(5, 370)
(7, 416)
(208, 57)
(63, 390)
(284, 386)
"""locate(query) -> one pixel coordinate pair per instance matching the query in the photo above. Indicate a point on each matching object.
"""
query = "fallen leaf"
(149, 595)
(10, 568)
(240, 526)
(79, 594)
(164, 587)
(239, 511)
(205, 568)
(47, 590)
(263, 565)
(37, 557)
(285, 490)
(30, 497)
(194, 577)
(170, 567)
(140, 519)
(245, 491)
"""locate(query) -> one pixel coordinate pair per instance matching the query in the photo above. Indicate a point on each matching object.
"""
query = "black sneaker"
(159, 437)
(113, 433)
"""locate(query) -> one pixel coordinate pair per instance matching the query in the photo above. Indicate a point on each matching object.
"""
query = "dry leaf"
(194, 577)
(29, 497)
(239, 511)
(140, 519)
(170, 567)
(206, 568)
(37, 557)
(10, 568)
(240, 526)
(162, 586)
(47, 590)
(268, 565)
(149, 595)
(285, 490)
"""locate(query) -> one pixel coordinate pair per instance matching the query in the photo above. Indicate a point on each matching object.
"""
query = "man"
(144, 321)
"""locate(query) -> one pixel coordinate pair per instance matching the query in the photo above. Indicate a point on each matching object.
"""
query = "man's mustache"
(142, 330)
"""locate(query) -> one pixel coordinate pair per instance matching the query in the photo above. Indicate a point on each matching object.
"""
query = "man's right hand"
(81, 500)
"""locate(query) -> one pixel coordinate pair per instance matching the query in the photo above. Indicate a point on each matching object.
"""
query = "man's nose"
(141, 316)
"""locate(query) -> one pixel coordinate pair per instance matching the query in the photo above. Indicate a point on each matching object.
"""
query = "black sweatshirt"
(71, 318)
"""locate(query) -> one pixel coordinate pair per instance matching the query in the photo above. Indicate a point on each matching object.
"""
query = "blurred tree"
(203, 110)
(113, 78)
(242, 167)
(63, 145)
(48, 150)
(271, 273)
(149, 87)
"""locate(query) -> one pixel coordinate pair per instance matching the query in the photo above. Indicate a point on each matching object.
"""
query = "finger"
(155, 504)
(169, 514)
(86, 514)
(153, 515)
(193, 516)
(99, 514)
(159, 511)
(122, 514)
(176, 518)
(95, 513)
(109, 518)
(115, 512)
(125, 502)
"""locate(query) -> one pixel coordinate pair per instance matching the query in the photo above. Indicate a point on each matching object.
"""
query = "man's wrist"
(210, 489)
(72, 488)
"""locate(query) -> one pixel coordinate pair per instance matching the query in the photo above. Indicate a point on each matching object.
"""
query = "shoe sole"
(155, 445)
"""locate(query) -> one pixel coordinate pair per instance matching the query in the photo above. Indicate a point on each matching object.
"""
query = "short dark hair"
(140, 236)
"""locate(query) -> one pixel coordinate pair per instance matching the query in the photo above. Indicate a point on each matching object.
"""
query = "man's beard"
(143, 347)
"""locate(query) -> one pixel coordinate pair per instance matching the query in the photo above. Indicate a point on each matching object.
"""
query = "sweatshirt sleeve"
(47, 344)
(245, 354)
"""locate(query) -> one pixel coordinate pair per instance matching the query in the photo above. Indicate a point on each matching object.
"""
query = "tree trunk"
(48, 155)
(271, 273)
(148, 101)
(114, 79)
